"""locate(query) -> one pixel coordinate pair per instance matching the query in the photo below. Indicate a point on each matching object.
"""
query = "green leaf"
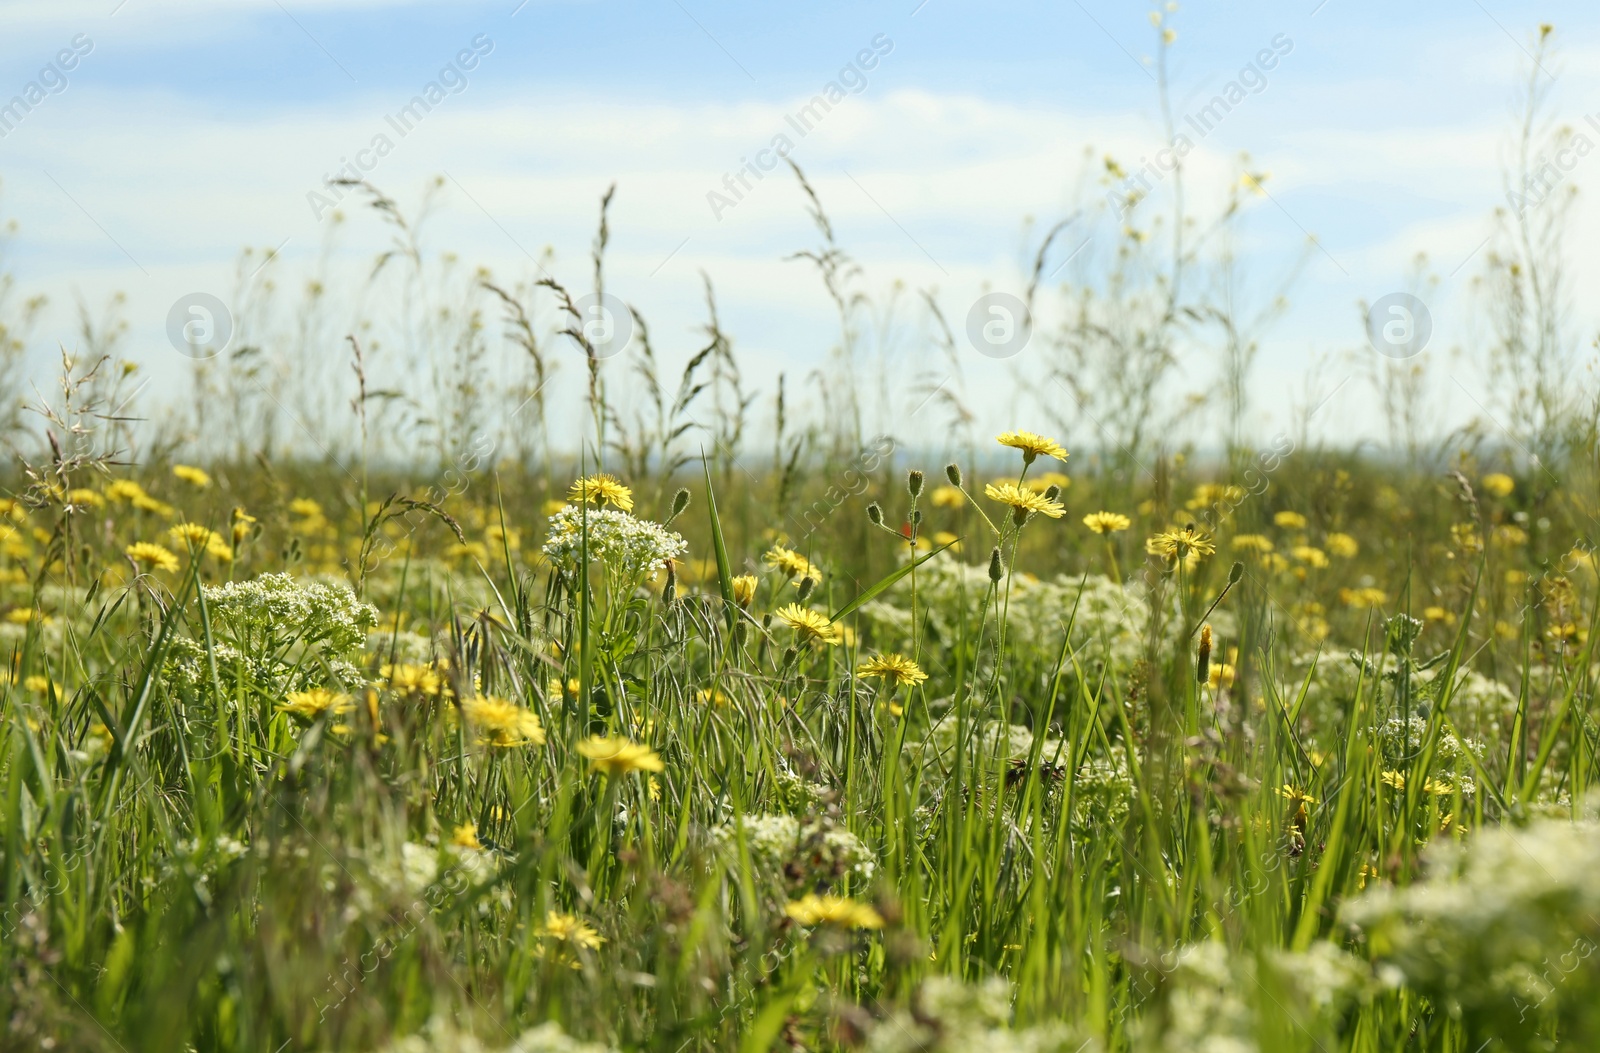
(890, 579)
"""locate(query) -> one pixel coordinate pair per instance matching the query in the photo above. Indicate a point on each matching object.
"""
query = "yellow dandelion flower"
(1440, 615)
(39, 684)
(242, 522)
(1295, 796)
(1310, 556)
(838, 911)
(408, 679)
(792, 563)
(120, 490)
(1499, 484)
(152, 555)
(947, 497)
(894, 667)
(85, 498)
(1258, 543)
(1032, 445)
(311, 704)
(1343, 545)
(1046, 480)
(1221, 675)
(1107, 522)
(502, 723)
(1023, 501)
(552, 506)
(305, 507)
(618, 756)
(570, 929)
(1364, 598)
(195, 477)
(744, 589)
(1186, 543)
(602, 490)
(466, 836)
(1290, 520)
(809, 626)
(1395, 780)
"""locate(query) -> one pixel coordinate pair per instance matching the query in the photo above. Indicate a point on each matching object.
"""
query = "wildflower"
(1048, 479)
(242, 521)
(625, 545)
(152, 555)
(552, 506)
(570, 929)
(796, 566)
(407, 679)
(898, 668)
(1221, 676)
(710, 697)
(602, 490)
(1438, 614)
(809, 625)
(1466, 536)
(1290, 520)
(1032, 445)
(947, 497)
(744, 589)
(39, 684)
(24, 615)
(507, 537)
(1510, 536)
(1259, 543)
(120, 490)
(309, 705)
(306, 508)
(502, 723)
(840, 911)
(1107, 522)
(1364, 598)
(1342, 545)
(1499, 484)
(1023, 501)
(466, 836)
(618, 756)
(1175, 544)
(1310, 556)
(1295, 796)
(1202, 664)
(1395, 780)
(194, 537)
(85, 498)
(195, 477)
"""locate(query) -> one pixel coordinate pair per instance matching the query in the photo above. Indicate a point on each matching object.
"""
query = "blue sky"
(194, 129)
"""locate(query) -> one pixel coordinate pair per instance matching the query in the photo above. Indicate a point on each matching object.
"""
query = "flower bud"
(875, 513)
(952, 472)
(1052, 492)
(997, 569)
(1235, 573)
(680, 501)
(807, 583)
(914, 482)
(1202, 665)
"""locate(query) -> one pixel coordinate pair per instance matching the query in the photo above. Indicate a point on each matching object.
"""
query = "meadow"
(719, 721)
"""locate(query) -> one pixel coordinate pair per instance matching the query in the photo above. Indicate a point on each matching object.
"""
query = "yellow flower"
(304, 506)
(895, 667)
(1499, 484)
(1343, 545)
(241, 524)
(1395, 780)
(792, 563)
(1222, 675)
(1295, 796)
(191, 535)
(810, 626)
(500, 537)
(1362, 598)
(120, 490)
(407, 679)
(1107, 522)
(151, 555)
(1253, 543)
(502, 723)
(552, 506)
(1509, 536)
(1032, 445)
(707, 697)
(86, 498)
(1023, 500)
(618, 756)
(840, 911)
(1290, 520)
(1311, 557)
(193, 476)
(947, 497)
(466, 836)
(311, 704)
(744, 589)
(602, 490)
(570, 929)
(40, 684)
(1046, 480)
(24, 615)
(1180, 544)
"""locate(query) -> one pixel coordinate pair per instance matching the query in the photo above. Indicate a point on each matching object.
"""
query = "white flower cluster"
(801, 852)
(953, 1017)
(624, 544)
(281, 607)
(1504, 930)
